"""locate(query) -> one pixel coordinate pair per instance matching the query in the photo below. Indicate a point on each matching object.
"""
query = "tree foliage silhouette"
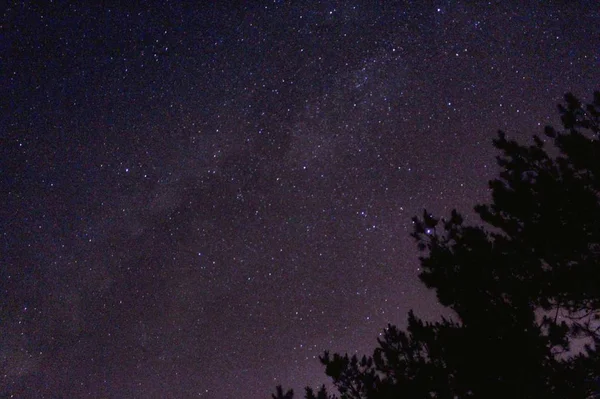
(524, 289)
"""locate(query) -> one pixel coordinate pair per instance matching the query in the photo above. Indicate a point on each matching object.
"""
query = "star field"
(199, 199)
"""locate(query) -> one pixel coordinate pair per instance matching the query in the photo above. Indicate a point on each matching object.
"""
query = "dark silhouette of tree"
(280, 395)
(524, 288)
(321, 394)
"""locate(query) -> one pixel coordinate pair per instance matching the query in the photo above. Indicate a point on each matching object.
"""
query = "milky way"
(198, 200)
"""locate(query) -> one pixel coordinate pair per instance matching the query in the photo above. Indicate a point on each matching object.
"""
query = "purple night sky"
(198, 200)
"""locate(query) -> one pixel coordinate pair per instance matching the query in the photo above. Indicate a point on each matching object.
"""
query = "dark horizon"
(200, 200)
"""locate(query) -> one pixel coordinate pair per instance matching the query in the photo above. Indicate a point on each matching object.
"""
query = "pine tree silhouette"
(280, 395)
(524, 287)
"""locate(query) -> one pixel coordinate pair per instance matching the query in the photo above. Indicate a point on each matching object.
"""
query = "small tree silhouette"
(280, 395)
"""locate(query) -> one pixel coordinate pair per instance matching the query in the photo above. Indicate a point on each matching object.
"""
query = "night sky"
(198, 200)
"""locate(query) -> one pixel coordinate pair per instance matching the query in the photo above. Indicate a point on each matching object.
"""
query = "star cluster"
(199, 199)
